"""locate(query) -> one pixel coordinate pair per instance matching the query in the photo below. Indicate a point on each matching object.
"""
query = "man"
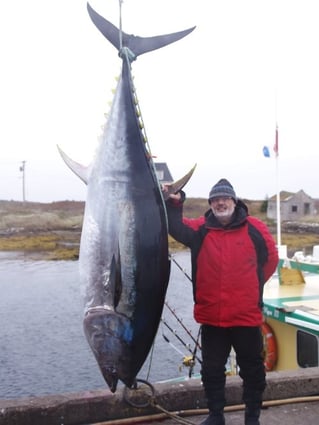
(233, 255)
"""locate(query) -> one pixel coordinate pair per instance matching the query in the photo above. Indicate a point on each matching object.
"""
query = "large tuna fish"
(124, 262)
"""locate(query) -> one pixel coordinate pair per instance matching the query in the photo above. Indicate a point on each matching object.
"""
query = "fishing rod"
(171, 257)
(183, 326)
(173, 346)
(179, 339)
(188, 361)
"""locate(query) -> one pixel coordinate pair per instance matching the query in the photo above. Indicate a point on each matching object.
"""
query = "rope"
(150, 361)
(126, 54)
(174, 416)
(131, 402)
(199, 412)
(120, 24)
(150, 401)
(130, 57)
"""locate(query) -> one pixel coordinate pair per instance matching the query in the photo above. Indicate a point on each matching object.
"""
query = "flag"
(276, 142)
(266, 152)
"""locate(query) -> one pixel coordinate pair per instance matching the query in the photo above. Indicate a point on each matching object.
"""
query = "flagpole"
(278, 205)
(282, 249)
(277, 191)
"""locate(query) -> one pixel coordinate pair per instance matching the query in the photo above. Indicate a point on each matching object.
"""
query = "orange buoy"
(270, 347)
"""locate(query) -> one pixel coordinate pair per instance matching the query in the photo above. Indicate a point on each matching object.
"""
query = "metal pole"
(22, 169)
(278, 190)
(278, 206)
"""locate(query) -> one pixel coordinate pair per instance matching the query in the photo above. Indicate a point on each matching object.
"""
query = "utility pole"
(22, 169)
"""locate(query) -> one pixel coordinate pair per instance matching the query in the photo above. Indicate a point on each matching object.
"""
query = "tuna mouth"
(111, 377)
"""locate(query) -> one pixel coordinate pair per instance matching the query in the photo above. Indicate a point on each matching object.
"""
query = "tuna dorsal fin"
(137, 45)
(78, 169)
(179, 184)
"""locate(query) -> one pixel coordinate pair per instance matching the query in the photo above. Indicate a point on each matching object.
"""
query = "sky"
(212, 98)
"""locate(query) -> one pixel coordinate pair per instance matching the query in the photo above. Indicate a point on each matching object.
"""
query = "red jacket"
(229, 265)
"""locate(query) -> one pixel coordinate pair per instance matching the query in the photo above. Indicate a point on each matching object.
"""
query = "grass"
(299, 242)
(42, 246)
(28, 243)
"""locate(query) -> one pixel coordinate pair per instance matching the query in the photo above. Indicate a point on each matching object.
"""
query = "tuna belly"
(110, 335)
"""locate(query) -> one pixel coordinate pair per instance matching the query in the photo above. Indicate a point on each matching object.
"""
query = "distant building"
(293, 206)
(163, 173)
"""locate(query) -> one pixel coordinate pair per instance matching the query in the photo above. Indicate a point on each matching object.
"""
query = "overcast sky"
(212, 98)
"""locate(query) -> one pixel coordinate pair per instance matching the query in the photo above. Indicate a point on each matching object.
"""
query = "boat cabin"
(291, 311)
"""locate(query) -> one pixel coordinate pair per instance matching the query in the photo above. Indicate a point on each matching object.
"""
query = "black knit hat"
(222, 188)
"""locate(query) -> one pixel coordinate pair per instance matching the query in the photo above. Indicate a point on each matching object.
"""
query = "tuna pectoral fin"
(115, 282)
(179, 184)
(78, 169)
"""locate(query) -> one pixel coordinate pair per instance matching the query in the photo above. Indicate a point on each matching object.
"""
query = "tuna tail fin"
(137, 45)
(179, 184)
(78, 169)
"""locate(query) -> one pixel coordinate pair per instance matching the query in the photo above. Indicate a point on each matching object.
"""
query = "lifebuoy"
(270, 347)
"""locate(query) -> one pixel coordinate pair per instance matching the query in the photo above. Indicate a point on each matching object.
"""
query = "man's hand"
(166, 189)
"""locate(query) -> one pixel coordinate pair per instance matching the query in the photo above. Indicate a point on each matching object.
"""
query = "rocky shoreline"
(52, 231)
(41, 231)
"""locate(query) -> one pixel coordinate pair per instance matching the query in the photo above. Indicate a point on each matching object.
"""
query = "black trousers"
(248, 346)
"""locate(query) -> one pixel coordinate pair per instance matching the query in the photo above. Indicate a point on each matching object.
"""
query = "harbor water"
(42, 345)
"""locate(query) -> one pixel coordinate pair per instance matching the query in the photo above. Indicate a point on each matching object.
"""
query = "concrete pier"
(91, 407)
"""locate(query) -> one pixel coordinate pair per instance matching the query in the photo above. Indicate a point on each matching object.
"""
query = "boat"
(291, 312)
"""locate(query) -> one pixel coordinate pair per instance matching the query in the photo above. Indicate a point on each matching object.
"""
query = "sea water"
(42, 345)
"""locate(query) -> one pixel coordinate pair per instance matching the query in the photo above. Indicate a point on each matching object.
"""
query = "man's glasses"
(217, 199)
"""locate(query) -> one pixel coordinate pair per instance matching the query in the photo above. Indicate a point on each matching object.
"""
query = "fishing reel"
(189, 361)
